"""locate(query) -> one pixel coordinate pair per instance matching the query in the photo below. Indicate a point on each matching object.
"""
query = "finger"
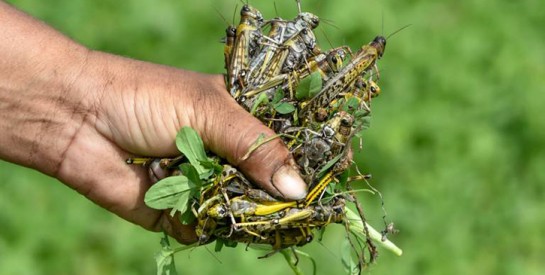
(230, 131)
(96, 168)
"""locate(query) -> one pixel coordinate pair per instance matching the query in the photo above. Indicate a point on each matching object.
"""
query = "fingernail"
(288, 182)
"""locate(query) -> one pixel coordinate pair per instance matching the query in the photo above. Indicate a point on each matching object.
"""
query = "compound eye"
(315, 21)
(231, 32)
(222, 212)
(373, 89)
(347, 121)
(245, 8)
(334, 60)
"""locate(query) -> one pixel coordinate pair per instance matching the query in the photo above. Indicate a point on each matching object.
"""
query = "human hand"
(140, 114)
(77, 115)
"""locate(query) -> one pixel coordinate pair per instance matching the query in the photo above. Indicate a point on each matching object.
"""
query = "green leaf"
(191, 145)
(314, 265)
(219, 245)
(362, 117)
(320, 233)
(278, 95)
(351, 105)
(349, 264)
(165, 259)
(230, 243)
(330, 188)
(212, 164)
(262, 98)
(284, 108)
(328, 165)
(191, 173)
(309, 86)
(343, 178)
(292, 260)
(187, 217)
(170, 192)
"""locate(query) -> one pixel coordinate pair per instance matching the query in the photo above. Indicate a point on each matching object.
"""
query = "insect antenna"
(234, 14)
(329, 23)
(398, 30)
(326, 38)
(213, 255)
(276, 9)
(298, 6)
(382, 22)
(221, 16)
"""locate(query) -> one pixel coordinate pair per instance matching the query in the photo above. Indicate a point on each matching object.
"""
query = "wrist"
(41, 102)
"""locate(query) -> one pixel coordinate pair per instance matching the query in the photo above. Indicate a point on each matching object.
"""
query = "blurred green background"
(456, 144)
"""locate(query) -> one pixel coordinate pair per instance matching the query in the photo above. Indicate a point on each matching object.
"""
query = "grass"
(456, 144)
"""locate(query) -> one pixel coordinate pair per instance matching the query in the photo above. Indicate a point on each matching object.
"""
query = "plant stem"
(356, 225)
(291, 262)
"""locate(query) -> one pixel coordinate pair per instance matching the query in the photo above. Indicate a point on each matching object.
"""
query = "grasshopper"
(241, 206)
(284, 57)
(363, 60)
(300, 219)
(223, 204)
(368, 89)
(158, 168)
(326, 144)
(327, 64)
(280, 31)
(281, 39)
(230, 35)
(277, 239)
(245, 44)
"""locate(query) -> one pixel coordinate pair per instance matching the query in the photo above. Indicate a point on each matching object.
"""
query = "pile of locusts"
(316, 101)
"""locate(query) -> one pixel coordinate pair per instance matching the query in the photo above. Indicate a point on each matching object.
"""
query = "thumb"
(230, 131)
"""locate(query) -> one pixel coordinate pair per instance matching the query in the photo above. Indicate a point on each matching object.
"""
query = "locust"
(288, 43)
(363, 60)
(316, 101)
(327, 143)
(229, 200)
(245, 45)
(327, 64)
(158, 168)
(241, 206)
(230, 35)
(281, 31)
(277, 239)
(285, 57)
